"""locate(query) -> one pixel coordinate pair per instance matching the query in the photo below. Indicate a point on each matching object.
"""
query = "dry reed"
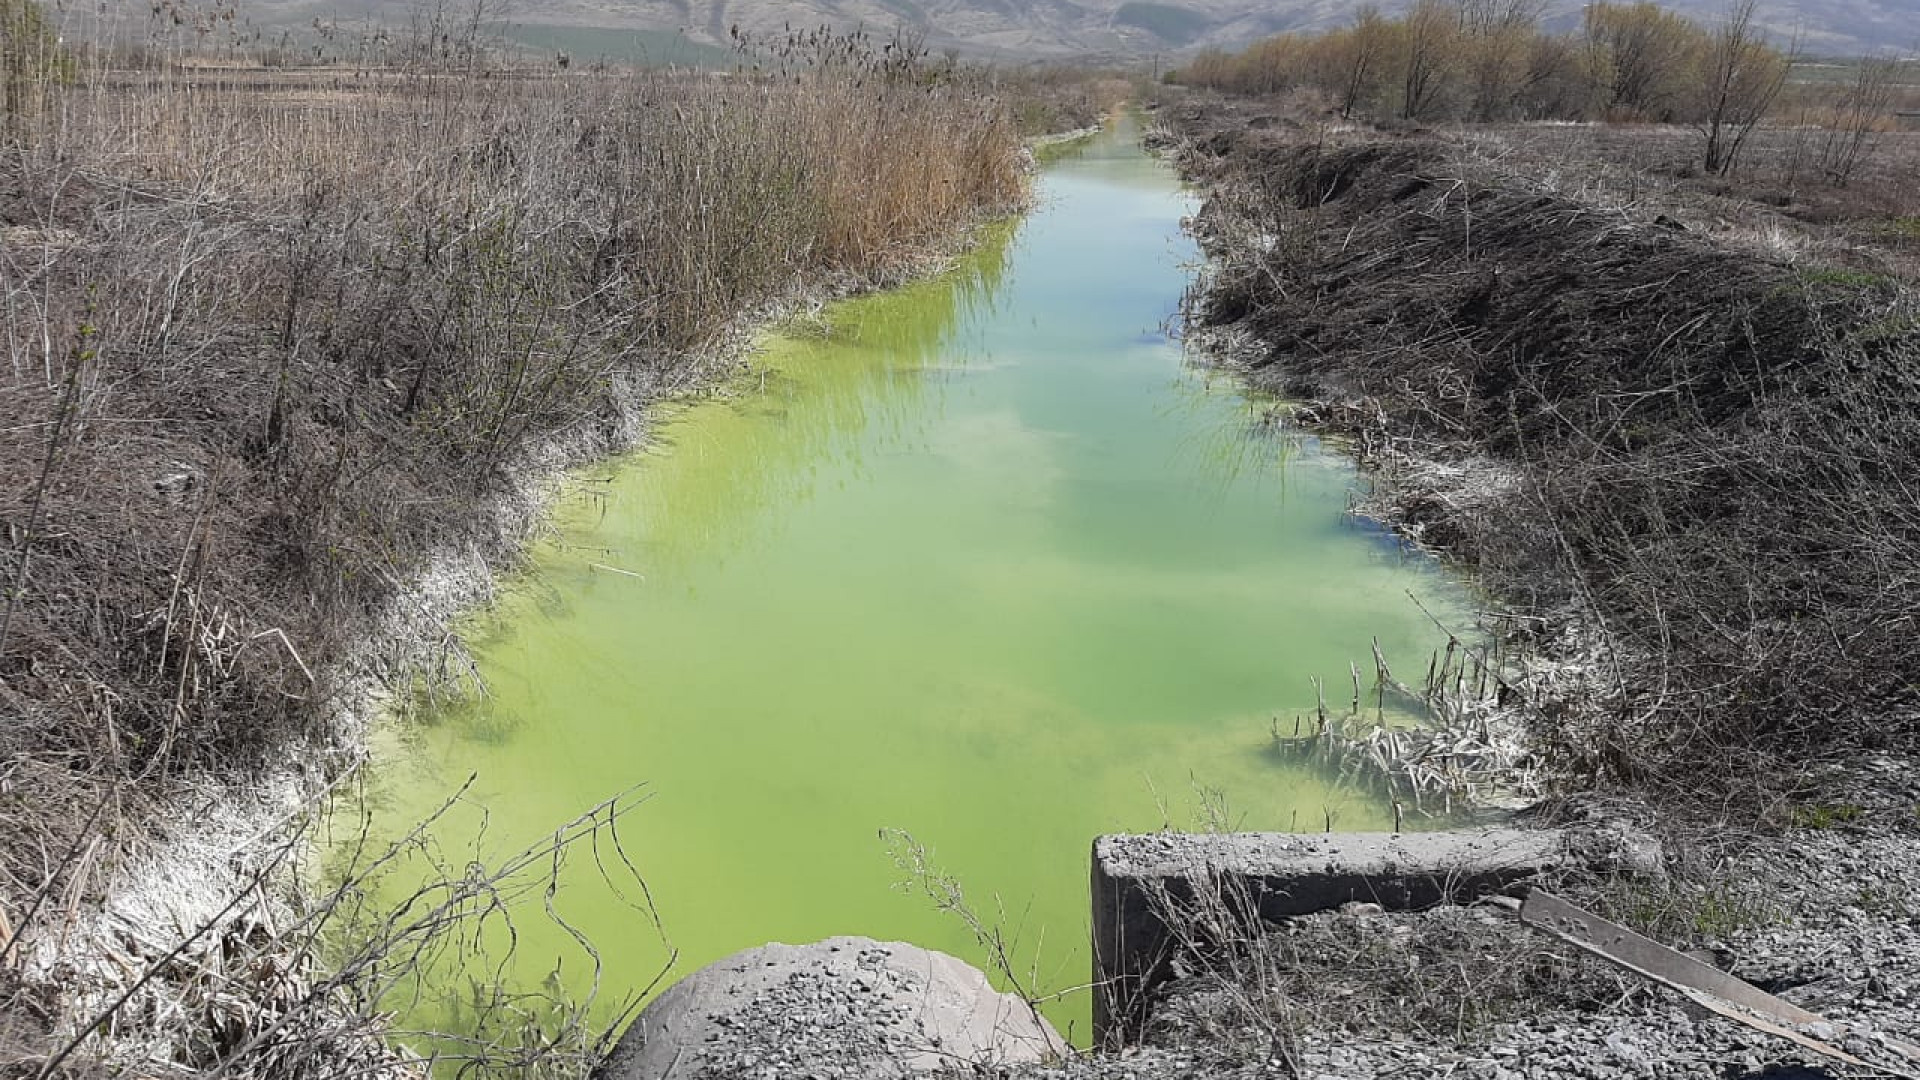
(272, 338)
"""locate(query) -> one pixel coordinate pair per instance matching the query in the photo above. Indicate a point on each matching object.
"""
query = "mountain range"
(1104, 29)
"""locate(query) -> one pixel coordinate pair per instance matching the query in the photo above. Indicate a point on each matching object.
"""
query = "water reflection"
(980, 560)
(823, 396)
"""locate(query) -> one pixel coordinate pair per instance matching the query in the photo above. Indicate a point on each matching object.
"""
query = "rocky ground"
(1823, 911)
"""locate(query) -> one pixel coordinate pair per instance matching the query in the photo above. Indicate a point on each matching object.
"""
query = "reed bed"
(1454, 744)
(272, 338)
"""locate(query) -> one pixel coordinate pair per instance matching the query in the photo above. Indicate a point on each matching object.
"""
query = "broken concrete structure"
(1148, 889)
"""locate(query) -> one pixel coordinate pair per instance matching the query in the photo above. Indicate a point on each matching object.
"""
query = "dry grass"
(1713, 445)
(1778, 199)
(1437, 979)
(270, 340)
(1252, 998)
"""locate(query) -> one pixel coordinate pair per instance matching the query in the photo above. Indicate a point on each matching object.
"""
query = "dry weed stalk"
(282, 981)
(1457, 743)
(273, 338)
(1256, 991)
(1712, 449)
(989, 932)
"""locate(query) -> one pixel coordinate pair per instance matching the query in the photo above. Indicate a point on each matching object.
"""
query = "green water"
(980, 560)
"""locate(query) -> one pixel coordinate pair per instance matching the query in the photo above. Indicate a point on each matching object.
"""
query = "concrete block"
(1139, 882)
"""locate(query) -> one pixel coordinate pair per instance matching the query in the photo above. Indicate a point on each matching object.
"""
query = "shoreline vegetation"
(1660, 401)
(1664, 429)
(277, 342)
(280, 339)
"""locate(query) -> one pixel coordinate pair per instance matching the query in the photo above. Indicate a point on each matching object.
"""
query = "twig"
(56, 441)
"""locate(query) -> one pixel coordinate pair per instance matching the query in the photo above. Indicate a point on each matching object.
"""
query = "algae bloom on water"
(979, 563)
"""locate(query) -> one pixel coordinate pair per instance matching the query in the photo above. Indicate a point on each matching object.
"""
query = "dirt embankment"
(1700, 448)
(1678, 454)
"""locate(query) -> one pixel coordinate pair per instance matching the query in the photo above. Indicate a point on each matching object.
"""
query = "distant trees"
(1497, 39)
(1637, 56)
(1491, 60)
(1429, 55)
(1356, 59)
(1556, 84)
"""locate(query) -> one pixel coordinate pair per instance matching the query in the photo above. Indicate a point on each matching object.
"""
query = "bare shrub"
(274, 982)
(1859, 116)
(1742, 77)
(1256, 991)
(1712, 448)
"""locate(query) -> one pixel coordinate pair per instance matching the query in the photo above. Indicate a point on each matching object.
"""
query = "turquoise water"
(981, 560)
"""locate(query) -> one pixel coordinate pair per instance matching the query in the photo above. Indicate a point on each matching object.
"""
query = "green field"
(590, 44)
(1175, 25)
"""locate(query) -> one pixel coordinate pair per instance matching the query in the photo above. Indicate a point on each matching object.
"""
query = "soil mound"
(841, 1007)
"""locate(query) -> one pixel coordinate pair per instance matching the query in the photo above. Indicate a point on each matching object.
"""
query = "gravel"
(841, 1008)
(1819, 904)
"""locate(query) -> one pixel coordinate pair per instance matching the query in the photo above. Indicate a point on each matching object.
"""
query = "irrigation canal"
(983, 560)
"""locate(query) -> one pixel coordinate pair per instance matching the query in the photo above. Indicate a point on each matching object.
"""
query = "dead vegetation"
(254, 979)
(1710, 447)
(1434, 979)
(1462, 754)
(1666, 417)
(267, 351)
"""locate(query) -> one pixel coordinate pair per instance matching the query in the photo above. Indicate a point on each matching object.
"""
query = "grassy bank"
(273, 339)
(1673, 447)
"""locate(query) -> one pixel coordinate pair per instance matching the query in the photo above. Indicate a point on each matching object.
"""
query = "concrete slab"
(1141, 882)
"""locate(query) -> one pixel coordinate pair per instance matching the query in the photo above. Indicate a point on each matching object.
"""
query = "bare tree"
(1431, 30)
(1499, 34)
(1553, 85)
(1743, 74)
(1636, 53)
(1862, 107)
(1357, 64)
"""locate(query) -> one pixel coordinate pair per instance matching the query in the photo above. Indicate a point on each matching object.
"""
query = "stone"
(845, 1006)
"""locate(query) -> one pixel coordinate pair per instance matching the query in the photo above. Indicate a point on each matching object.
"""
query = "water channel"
(983, 560)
